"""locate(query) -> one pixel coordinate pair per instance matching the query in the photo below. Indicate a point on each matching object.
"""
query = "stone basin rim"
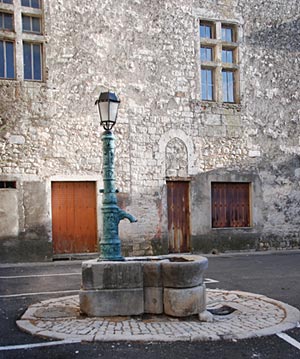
(171, 258)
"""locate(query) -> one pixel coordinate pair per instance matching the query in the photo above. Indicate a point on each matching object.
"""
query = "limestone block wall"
(148, 53)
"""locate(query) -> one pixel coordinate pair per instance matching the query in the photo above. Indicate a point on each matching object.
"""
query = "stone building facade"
(209, 110)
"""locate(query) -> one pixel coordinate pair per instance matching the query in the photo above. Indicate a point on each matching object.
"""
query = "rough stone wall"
(9, 224)
(147, 51)
(176, 159)
(272, 116)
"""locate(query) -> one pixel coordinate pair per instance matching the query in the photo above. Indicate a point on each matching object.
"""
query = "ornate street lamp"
(110, 244)
(108, 105)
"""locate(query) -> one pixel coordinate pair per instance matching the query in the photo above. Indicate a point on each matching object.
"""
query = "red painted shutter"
(230, 204)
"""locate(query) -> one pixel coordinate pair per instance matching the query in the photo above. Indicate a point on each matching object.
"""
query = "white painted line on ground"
(38, 275)
(39, 345)
(289, 340)
(209, 280)
(38, 293)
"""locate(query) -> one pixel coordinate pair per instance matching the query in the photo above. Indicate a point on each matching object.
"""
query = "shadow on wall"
(285, 36)
(30, 246)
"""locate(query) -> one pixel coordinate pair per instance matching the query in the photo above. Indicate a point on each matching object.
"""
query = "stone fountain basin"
(171, 285)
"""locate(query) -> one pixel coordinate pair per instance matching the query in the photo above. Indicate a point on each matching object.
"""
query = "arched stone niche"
(176, 158)
(176, 151)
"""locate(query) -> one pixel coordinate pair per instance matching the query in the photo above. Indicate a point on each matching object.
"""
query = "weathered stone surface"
(184, 302)
(206, 316)
(17, 140)
(184, 273)
(111, 275)
(36, 209)
(36, 250)
(152, 273)
(153, 300)
(110, 302)
(9, 222)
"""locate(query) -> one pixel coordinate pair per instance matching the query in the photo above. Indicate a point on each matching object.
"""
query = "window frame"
(2, 13)
(232, 92)
(208, 24)
(32, 44)
(227, 50)
(218, 45)
(31, 17)
(20, 36)
(206, 47)
(212, 86)
(5, 68)
(232, 27)
(32, 7)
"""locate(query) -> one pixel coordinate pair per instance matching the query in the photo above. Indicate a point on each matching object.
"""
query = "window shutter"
(230, 205)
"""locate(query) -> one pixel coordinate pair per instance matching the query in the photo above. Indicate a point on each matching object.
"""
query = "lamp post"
(110, 244)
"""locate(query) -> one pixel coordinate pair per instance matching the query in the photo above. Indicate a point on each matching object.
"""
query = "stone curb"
(254, 316)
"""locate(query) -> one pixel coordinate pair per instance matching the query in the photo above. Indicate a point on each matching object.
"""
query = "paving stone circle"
(252, 315)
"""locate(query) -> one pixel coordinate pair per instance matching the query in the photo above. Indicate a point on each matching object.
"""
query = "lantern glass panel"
(113, 111)
(103, 109)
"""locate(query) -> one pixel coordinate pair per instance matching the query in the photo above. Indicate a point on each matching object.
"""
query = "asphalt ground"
(276, 275)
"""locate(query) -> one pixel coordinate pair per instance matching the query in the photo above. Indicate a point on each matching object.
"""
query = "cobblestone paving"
(253, 315)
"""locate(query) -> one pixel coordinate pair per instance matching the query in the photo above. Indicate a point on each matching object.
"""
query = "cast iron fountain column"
(110, 244)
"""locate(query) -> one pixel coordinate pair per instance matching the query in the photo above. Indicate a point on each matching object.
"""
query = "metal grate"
(8, 184)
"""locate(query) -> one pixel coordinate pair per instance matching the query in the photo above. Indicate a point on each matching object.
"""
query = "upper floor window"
(219, 61)
(7, 64)
(6, 21)
(21, 31)
(31, 24)
(32, 54)
(207, 84)
(228, 85)
(228, 33)
(227, 56)
(36, 4)
(207, 30)
(206, 53)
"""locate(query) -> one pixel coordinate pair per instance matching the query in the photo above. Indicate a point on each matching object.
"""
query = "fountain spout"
(125, 215)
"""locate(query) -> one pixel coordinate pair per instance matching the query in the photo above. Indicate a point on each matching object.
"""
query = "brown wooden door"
(74, 224)
(178, 216)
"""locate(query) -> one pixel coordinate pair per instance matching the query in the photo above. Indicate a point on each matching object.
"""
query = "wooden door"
(74, 224)
(178, 216)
